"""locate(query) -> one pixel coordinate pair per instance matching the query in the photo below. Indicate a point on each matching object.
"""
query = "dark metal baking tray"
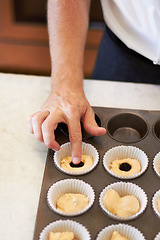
(138, 128)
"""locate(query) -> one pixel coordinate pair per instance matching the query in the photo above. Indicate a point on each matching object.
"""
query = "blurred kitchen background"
(24, 45)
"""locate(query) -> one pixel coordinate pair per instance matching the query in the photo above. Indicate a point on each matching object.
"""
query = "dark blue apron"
(115, 61)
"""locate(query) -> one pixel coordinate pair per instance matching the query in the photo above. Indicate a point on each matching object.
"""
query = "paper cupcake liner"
(125, 230)
(125, 188)
(122, 152)
(80, 232)
(65, 151)
(156, 164)
(157, 237)
(155, 203)
(69, 186)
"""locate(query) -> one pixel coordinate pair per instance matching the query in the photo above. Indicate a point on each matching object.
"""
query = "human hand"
(70, 107)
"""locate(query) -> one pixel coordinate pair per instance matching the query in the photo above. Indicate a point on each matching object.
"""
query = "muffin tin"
(137, 128)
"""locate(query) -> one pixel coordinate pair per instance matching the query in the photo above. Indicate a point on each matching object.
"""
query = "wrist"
(67, 79)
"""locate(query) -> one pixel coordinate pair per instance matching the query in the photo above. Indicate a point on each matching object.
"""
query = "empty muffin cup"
(156, 129)
(80, 232)
(125, 162)
(65, 188)
(156, 203)
(156, 164)
(63, 161)
(118, 210)
(124, 230)
(127, 128)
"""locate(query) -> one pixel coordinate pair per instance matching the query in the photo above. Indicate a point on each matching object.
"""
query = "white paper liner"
(156, 164)
(155, 203)
(65, 151)
(122, 152)
(125, 188)
(69, 186)
(80, 232)
(125, 230)
(157, 237)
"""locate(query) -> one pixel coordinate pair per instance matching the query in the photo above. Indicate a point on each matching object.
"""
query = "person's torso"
(136, 23)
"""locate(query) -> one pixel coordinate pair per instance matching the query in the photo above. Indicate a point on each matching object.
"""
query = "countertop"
(22, 157)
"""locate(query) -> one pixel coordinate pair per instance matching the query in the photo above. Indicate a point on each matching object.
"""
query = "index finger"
(75, 137)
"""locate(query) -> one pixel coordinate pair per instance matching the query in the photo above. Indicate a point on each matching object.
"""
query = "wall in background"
(24, 37)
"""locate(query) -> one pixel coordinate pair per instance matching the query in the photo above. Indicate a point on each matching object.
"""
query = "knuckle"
(73, 111)
(35, 119)
(48, 137)
(92, 123)
(48, 144)
(75, 136)
(39, 137)
(45, 127)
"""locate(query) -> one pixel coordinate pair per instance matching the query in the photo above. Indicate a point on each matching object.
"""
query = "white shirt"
(136, 23)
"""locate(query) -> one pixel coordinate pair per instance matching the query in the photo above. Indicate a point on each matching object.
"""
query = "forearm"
(67, 26)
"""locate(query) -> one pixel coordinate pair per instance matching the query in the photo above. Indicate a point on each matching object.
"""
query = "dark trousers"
(115, 61)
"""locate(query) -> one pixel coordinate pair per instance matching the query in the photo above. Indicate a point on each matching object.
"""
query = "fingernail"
(76, 160)
(56, 149)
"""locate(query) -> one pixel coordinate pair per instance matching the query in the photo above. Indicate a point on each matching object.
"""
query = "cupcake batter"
(121, 206)
(86, 159)
(72, 202)
(117, 236)
(61, 236)
(125, 167)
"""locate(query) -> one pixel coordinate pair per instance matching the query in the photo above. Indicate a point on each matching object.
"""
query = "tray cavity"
(127, 128)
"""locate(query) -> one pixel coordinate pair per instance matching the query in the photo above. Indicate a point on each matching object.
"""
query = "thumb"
(90, 124)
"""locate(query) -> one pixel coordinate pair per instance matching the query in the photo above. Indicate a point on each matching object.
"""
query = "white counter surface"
(22, 157)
